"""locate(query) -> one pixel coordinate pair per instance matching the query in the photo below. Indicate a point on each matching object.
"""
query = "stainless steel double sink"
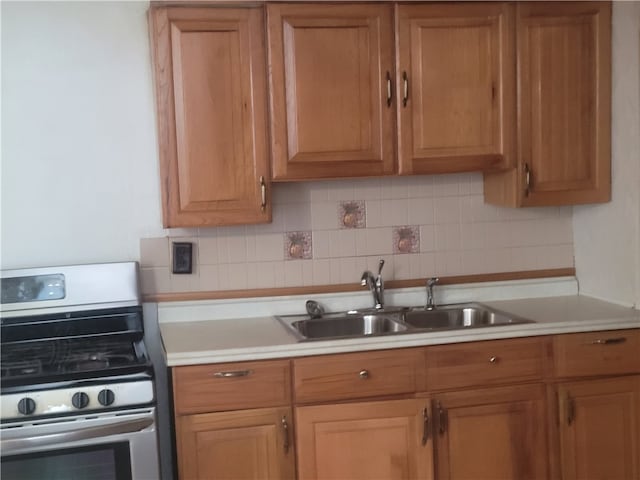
(363, 323)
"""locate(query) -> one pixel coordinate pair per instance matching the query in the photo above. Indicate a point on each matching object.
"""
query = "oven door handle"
(21, 444)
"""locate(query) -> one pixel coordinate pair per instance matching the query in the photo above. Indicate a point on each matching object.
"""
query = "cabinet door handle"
(405, 89)
(233, 374)
(285, 431)
(442, 419)
(364, 374)
(389, 90)
(571, 410)
(263, 194)
(609, 341)
(527, 179)
(425, 425)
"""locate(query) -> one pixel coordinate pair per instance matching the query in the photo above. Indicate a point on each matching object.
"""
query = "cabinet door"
(564, 103)
(330, 70)
(456, 81)
(364, 441)
(600, 429)
(240, 445)
(211, 93)
(491, 434)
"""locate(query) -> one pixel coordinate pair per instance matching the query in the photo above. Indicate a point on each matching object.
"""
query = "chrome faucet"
(375, 284)
(430, 284)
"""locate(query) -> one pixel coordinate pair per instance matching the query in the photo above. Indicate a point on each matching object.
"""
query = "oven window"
(100, 462)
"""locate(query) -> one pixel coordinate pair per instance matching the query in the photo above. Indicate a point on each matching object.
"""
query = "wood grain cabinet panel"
(496, 434)
(211, 94)
(597, 353)
(242, 445)
(481, 363)
(358, 375)
(564, 107)
(600, 429)
(231, 386)
(362, 441)
(329, 65)
(456, 87)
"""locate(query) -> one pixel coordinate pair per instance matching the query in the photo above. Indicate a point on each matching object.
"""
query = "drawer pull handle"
(389, 90)
(405, 90)
(285, 430)
(233, 374)
(494, 359)
(609, 341)
(571, 410)
(425, 425)
(364, 374)
(442, 419)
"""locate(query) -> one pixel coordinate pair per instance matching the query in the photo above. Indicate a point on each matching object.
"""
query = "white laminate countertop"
(264, 337)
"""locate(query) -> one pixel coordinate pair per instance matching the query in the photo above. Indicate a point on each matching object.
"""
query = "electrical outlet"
(182, 257)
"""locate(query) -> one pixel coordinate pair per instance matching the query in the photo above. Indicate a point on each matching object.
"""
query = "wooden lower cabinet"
(365, 441)
(600, 429)
(245, 444)
(496, 433)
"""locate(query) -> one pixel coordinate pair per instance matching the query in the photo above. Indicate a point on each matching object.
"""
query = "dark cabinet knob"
(80, 400)
(106, 397)
(27, 406)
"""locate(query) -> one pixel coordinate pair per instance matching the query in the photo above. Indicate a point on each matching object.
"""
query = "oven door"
(113, 446)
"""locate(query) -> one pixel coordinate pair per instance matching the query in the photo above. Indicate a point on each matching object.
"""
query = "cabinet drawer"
(597, 353)
(480, 363)
(357, 375)
(231, 386)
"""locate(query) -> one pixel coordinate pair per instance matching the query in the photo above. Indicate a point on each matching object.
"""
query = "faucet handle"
(432, 281)
(380, 265)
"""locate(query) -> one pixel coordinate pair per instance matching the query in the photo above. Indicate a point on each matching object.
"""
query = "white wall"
(607, 236)
(79, 166)
(79, 150)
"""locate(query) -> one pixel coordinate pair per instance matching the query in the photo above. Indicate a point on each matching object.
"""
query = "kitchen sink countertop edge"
(264, 337)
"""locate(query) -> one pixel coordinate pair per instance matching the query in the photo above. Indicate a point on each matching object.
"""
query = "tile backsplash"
(330, 232)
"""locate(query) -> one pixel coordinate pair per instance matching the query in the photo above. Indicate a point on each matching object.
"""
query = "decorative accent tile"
(406, 239)
(352, 214)
(297, 246)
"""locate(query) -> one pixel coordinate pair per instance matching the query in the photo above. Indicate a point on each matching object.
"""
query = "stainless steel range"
(77, 391)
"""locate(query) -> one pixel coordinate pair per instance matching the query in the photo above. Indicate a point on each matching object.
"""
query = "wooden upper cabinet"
(331, 68)
(456, 87)
(564, 103)
(211, 95)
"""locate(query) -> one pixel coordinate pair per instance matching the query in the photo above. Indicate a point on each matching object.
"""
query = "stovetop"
(64, 360)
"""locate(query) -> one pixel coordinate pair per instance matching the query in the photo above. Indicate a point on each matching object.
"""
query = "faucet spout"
(375, 284)
(430, 284)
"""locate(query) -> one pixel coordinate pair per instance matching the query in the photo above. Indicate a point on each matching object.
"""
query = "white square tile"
(297, 217)
(448, 237)
(374, 241)
(446, 210)
(395, 212)
(321, 271)
(208, 250)
(324, 216)
(291, 192)
(155, 280)
(269, 247)
(154, 252)
(340, 190)
(427, 238)
(368, 189)
(209, 277)
(447, 185)
(420, 186)
(321, 242)
(420, 211)
(342, 243)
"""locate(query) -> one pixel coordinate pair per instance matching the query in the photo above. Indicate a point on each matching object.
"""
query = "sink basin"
(459, 316)
(370, 322)
(345, 326)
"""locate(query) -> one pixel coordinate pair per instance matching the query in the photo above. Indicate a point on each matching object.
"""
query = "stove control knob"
(106, 397)
(27, 406)
(80, 400)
